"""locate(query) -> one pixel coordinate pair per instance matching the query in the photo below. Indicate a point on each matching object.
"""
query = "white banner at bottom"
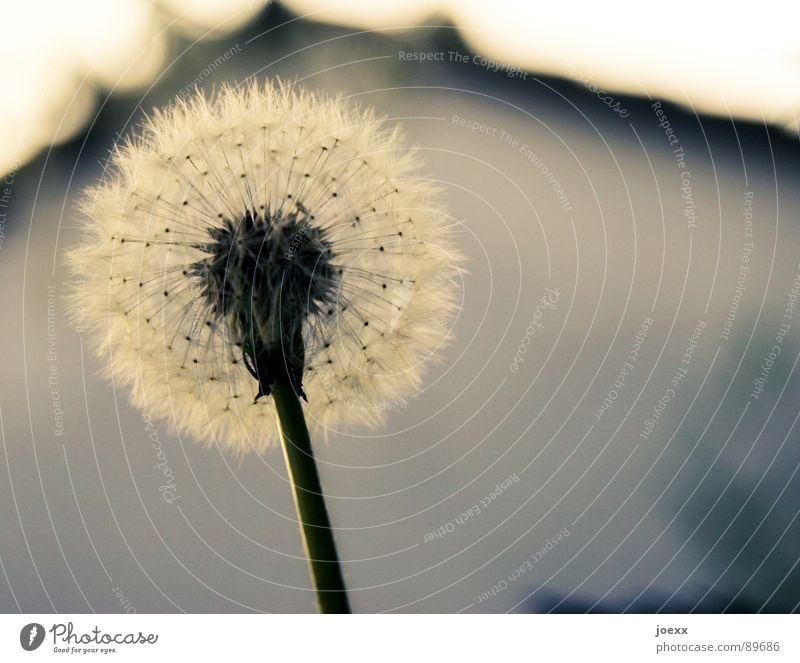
(400, 638)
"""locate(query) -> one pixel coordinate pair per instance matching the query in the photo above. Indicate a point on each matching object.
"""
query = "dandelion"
(259, 247)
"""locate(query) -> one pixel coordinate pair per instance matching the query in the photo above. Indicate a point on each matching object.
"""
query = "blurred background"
(630, 445)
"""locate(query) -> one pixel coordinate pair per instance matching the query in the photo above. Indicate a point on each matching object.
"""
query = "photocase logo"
(31, 636)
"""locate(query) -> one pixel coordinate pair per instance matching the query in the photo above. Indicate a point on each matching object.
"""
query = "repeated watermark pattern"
(475, 510)
(678, 378)
(524, 568)
(679, 154)
(519, 146)
(209, 69)
(601, 94)
(548, 301)
(626, 370)
(53, 378)
(476, 60)
(744, 268)
(784, 327)
(168, 488)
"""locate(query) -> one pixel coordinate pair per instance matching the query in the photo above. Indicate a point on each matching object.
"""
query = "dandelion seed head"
(266, 223)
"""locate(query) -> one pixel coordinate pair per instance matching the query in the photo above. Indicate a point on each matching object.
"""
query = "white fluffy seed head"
(262, 210)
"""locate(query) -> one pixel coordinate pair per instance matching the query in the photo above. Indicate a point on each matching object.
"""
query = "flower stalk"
(312, 516)
(268, 234)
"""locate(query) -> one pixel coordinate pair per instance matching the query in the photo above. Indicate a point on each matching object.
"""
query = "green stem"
(315, 527)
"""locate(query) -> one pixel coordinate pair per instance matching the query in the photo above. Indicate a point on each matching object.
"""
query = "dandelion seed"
(271, 243)
(263, 227)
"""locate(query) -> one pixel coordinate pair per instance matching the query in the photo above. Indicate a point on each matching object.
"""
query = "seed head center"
(265, 275)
